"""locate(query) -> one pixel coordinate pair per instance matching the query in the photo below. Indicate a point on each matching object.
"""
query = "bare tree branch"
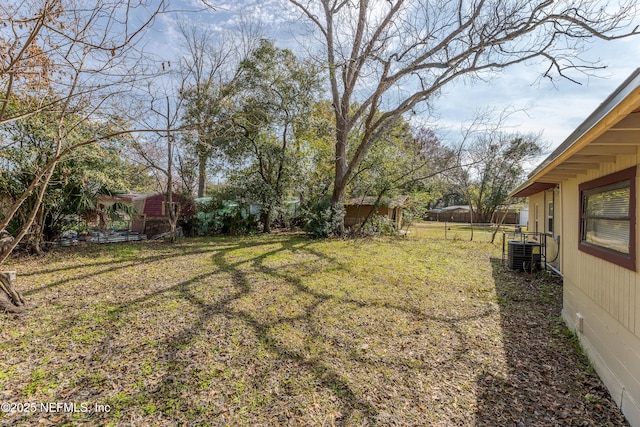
(384, 58)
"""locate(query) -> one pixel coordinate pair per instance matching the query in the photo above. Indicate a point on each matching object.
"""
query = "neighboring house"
(582, 198)
(359, 208)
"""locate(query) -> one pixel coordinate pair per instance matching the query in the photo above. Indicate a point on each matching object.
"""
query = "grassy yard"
(283, 330)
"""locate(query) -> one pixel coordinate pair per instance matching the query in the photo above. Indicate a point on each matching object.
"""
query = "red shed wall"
(153, 206)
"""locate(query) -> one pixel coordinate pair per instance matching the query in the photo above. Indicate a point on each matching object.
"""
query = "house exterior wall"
(553, 236)
(396, 216)
(539, 221)
(606, 296)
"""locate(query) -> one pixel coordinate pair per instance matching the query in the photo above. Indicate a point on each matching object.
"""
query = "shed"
(582, 199)
(359, 208)
(152, 216)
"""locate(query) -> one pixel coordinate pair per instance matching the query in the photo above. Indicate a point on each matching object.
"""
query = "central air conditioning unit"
(524, 256)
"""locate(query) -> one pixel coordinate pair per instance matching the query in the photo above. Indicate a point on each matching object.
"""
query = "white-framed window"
(550, 217)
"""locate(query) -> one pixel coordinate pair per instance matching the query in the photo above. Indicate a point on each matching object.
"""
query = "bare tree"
(490, 162)
(386, 57)
(500, 158)
(158, 148)
(170, 117)
(209, 69)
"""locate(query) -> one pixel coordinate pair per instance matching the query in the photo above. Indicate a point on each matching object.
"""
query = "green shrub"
(322, 219)
(379, 225)
(220, 213)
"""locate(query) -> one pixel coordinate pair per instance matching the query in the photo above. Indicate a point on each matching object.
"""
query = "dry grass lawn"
(283, 330)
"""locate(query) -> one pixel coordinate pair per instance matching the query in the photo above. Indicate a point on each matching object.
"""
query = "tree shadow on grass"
(252, 336)
(326, 376)
(139, 258)
(110, 320)
(335, 368)
(549, 380)
(170, 350)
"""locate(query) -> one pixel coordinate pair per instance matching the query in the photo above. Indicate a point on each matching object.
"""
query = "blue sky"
(553, 108)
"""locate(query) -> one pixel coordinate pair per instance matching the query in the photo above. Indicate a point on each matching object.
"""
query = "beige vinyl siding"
(608, 298)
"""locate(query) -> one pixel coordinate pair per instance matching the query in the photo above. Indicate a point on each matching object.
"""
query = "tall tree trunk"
(202, 174)
(35, 236)
(169, 209)
(172, 209)
(340, 182)
(35, 240)
(337, 208)
(267, 220)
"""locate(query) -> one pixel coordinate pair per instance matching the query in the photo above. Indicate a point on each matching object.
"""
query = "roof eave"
(608, 112)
